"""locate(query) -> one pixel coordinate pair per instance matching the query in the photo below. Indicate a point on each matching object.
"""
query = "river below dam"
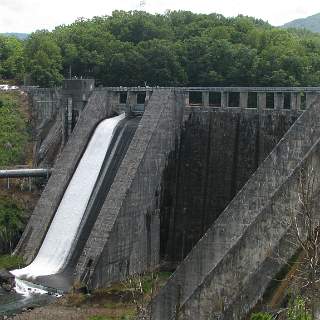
(13, 303)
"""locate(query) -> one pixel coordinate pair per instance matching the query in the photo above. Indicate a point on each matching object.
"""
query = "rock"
(6, 280)
(6, 275)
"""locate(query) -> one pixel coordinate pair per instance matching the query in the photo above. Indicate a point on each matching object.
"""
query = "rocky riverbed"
(12, 303)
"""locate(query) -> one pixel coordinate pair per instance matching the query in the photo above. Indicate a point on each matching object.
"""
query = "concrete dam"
(195, 180)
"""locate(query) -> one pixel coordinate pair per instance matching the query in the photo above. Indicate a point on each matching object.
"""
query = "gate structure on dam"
(196, 184)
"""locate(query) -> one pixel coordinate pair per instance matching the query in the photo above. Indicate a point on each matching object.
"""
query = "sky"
(30, 15)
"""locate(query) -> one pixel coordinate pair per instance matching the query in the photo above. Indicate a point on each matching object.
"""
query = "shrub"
(99, 318)
(13, 131)
(297, 310)
(261, 316)
(11, 223)
(11, 262)
(75, 299)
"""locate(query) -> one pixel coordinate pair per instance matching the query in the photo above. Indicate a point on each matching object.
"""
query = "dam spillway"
(57, 244)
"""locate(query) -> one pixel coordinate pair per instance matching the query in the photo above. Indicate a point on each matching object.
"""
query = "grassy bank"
(9, 262)
(121, 301)
(15, 149)
(14, 135)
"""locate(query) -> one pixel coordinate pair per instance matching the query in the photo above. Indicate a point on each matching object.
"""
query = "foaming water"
(57, 244)
(26, 288)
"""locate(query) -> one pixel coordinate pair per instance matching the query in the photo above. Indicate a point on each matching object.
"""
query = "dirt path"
(54, 312)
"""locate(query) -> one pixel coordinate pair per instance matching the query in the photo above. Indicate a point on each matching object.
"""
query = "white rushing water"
(26, 288)
(57, 244)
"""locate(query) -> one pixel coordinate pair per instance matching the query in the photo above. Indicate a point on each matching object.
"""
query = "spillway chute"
(62, 233)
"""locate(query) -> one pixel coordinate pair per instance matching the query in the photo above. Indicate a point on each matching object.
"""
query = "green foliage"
(9, 262)
(261, 316)
(151, 280)
(179, 48)
(182, 48)
(125, 317)
(44, 61)
(13, 134)
(11, 223)
(297, 310)
(11, 58)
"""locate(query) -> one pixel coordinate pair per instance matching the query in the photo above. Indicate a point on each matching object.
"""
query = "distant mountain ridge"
(21, 36)
(311, 23)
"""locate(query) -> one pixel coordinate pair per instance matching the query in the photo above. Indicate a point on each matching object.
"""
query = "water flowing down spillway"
(59, 239)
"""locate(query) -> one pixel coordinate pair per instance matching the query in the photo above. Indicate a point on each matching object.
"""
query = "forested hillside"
(21, 36)
(174, 49)
(311, 23)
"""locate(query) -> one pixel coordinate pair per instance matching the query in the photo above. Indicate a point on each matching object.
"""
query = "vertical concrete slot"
(195, 98)
(75, 117)
(287, 101)
(303, 101)
(215, 99)
(252, 100)
(141, 97)
(270, 100)
(123, 97)
(234, 100)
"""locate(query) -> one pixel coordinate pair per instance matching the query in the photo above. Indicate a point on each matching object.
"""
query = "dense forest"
(178, 48)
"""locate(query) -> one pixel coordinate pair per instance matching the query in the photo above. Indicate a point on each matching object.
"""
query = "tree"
(44, 60)
(177, 48)
(304, 238)
(306, 224)
(161, 65)
(11, 224)
(11, 58)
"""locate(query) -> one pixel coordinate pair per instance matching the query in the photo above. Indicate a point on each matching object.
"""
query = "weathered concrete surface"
(96, 110)
(219, 150)
(48, 147)
(210, 277)
(239, 281)
(125, 238)
(178, 181)
(270, 257)
(45, 103)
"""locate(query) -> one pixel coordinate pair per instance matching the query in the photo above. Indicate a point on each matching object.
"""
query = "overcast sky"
(30, 15)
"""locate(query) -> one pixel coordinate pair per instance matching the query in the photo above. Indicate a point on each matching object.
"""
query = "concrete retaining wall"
(49, 146)
(45, 103)
(271, 242)
(219, 150)
(215, 268)
(239, 281)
